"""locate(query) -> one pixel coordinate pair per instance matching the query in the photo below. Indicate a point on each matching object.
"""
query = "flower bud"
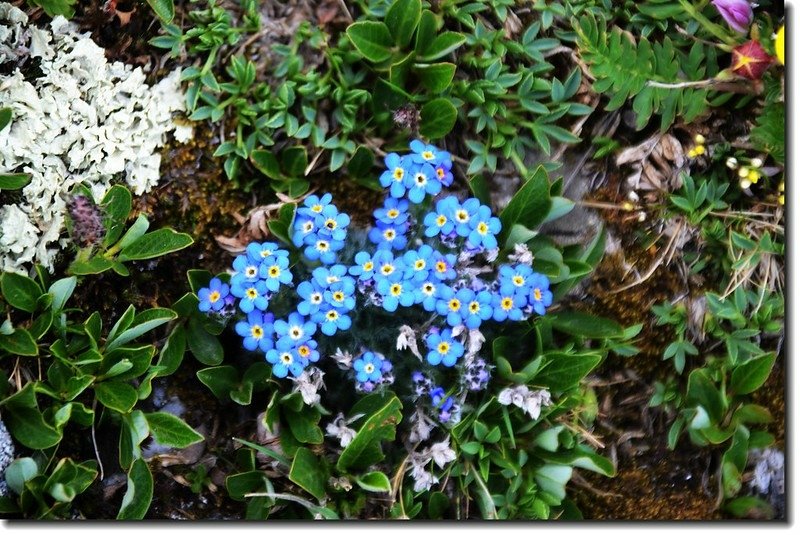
(737, 13)
(750, 60)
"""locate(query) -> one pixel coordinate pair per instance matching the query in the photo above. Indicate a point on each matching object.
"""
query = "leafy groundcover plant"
(418, 367)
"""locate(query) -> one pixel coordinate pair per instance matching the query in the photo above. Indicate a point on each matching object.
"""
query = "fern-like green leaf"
(648, 73)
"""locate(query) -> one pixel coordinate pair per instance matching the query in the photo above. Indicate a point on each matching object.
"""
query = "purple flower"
(737, 13)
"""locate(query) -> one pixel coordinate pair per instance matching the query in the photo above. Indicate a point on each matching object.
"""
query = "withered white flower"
(421, 426)
(475, 342)
(343, 359)
(521, 396)
(338, 429)
(407, 339)
(441, 454)
(521, 254)
(308, 384)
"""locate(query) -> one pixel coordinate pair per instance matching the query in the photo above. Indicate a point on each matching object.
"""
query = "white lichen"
(83, 121)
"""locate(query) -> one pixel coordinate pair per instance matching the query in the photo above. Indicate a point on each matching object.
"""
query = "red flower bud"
(750, 60)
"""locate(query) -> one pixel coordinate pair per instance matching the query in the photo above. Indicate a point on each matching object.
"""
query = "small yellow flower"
(753, 176)
(781, 198)
(699, 139)
(780, 46)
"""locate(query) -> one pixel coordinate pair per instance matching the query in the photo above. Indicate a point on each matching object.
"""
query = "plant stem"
(714, 29)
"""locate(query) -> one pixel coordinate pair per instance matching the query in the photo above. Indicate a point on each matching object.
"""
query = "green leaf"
(437, 76)
(586, 325)
(144, 321)
(25, 421)
(220, 380)
(93, 266)
(365, 449)
(117, 202)
(583, 457)
(61, 290)
(57, 7)
(70, 479)
(553, 479)
(156, 243)
(437, 118)
(172, 352)
(139, 493)
(700, 390)
(267, 163)
(750, 507)
(374, 482)
(5, 120)
(372, 39)
(438, 504)
(20, 342)
(13, 181)
(19, 472)
(171, 431)
(19, 291)
(443, 44)
(749, 377)
(563, 371)
(529, 206)
(116, 395)
(306, 472)
(305, 426)
(402, 19)
(204, 346)
(136, 231)
(164, 10)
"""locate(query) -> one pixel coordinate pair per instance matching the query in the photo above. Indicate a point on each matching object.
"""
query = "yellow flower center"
(252, 293)
(369, 368)
(214, 296)
(441, 267)
(399, 173)
(419, 264)
(396, 289)
(338, 296)
(393, 213)
(274, 271)
(295, 332)
(303, 351)
(387, 269)
(518, 280)
(332, 315)
(316, 298)
(441, 220)
(266, 252)
(322, 245)
(330, 279)
(368, 265)
(257, 332)
(454, 305)
(316, 208)
(330, 224)
(483, 228)
(420, 179)
(389, 234)
(507, 303)
(286, 358)
(462, 216)
(537, 294)
(428, 289)
(428, 155)
(251, 272)
(443, 348)
(474, 307)
(440, 172)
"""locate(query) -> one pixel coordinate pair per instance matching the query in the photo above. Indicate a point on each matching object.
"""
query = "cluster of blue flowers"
(420, 257)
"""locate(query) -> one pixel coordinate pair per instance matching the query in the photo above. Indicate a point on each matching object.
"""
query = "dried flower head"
(87, 221)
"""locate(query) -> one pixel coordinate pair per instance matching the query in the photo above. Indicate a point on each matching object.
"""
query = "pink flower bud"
(737, 13)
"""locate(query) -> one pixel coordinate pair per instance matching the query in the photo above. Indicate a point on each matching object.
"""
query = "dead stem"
(666, 255)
